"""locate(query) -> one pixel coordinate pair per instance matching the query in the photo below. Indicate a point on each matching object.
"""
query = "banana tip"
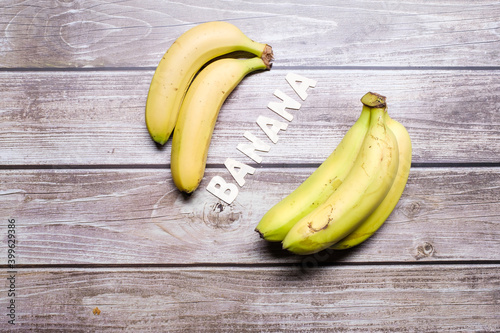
(260, 233)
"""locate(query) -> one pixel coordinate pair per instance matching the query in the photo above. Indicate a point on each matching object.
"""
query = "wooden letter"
(301, 88)
(238, 170)
(249, 149)
(227, 192)
(276, 126)
(287, 102)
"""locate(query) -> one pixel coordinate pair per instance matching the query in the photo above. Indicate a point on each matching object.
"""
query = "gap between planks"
(222, 166)
(319, 264)
(274, 68)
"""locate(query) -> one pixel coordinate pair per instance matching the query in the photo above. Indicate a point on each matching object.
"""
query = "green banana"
(325, 180)
(362, 191)
(382, 212)
(198, 114)
(182, 61)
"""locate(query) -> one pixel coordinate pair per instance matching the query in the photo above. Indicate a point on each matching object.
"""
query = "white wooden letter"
(300, 89)
(238, 170)
(227, 192)
(271, 131)
(287, 102)
(249, 149)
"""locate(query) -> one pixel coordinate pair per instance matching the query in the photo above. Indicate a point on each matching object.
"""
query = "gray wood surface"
(136, 33)
(110, 216)
(100, 225)
(98, 117)
(384, 298)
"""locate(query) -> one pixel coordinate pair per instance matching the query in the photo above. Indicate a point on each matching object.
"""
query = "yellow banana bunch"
(318, 186)
(382, 212)
(187, 55)
(198, 114)
(368, 187)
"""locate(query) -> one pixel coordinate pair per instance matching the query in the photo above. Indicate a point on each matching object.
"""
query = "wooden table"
(105, 243)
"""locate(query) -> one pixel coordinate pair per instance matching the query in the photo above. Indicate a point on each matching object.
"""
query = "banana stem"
(374, 100)
(267, 56)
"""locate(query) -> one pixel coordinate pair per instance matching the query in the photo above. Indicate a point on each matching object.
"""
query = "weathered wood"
(404, 298)
(99, 223)
(138, 217)
(80, 118)
(313, 33)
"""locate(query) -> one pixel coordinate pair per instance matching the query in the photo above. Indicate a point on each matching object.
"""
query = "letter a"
(238, 170)
(276, 126)
(300, 89)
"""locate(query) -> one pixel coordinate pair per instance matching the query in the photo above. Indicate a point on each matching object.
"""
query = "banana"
(362, 191)
(198, 114)
(382, 212)
(182, 61)
(325, 180)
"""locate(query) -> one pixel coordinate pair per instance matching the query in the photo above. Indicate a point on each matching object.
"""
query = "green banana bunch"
(187, 55)
(198, 114)
(365, 194)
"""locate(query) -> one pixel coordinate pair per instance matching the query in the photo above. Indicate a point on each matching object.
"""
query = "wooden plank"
(137, 216)
(313, 33)
(404, 298)
(82, 118)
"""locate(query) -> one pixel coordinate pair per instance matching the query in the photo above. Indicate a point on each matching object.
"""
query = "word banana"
(227, 191)
(352, 193)
(185, 57)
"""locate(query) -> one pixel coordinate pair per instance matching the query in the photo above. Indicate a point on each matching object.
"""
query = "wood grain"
(97, 118)
(129, 216)
(404, 298)
(47, 34)
(100, 226)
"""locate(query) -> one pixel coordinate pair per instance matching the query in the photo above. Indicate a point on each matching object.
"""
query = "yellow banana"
(198, 114)
(382, 212)
(276, 223)
(360, 194)
(182, 61)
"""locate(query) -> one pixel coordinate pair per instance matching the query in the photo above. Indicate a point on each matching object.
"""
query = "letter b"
(227, 192)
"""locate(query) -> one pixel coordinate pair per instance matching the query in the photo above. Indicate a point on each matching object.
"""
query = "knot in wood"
(412, 209)
(424, 250)
(221, 216)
